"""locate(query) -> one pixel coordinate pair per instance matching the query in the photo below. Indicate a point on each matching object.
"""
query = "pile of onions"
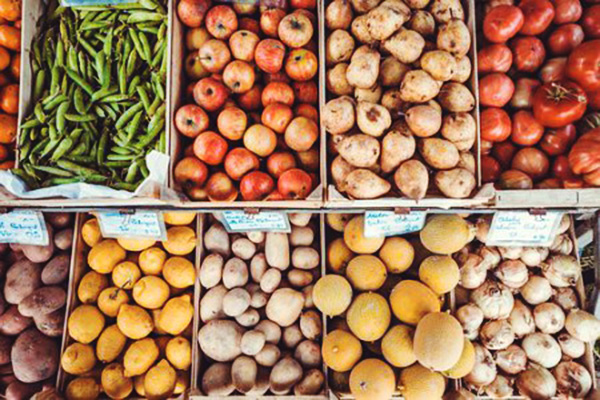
(495, 300)
(491, 256)
(572, 379)
(537, 290)
(562, 245)
(566, 298)
(549, 318)
(497, 334)
(501, 388)
(542, 349)
(571, 347)
(512, 273)
(521, 320)
(511, 360)
(473, 272)
(534, 256)
(484, 371)
(470, 317)
(583, 326)
(510, 253)
(561, 270)
(536, 383)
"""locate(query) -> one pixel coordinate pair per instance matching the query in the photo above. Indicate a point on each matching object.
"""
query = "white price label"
(388, 223)
(520, 228)
(25, 227)
(139, 225)
(268, 221)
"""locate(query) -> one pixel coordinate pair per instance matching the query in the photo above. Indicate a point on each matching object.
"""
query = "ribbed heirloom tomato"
(528, 53)
(558, 141)
(494, 58)
(583, 65)
(584, 157)
(557, 104)
(526, 131)
(565, 38)
(538, 16)
(495, 125)
(495, 90)
(502, 23)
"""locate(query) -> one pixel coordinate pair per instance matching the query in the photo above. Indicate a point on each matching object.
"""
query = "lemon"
(140, 356)
(179, 272)
(85, 323)
(105, 255)
(151, 260)
(179, 352)
(83, 389)
(111, 299)
(151, 292)
(181, 240)
(114, 382)
(134, 322)
(90, 232)
(179, 217)
(176, 315)
(110, 344)
(160, 380)
(90, 287)
(78, 359)
(136, 244)
(126, 274)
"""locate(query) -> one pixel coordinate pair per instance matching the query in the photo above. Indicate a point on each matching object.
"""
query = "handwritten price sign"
(520, 228)
(23, 226)
(268, 221)
(141, 225)
(387, 223)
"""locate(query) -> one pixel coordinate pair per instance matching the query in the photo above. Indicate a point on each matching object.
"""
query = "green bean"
(76, 168)
(78, 101)
(80, 118)
(80, 81)
(62, 149)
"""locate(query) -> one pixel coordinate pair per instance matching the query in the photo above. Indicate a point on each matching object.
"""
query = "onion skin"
(565, 224)
(521, 319)
(501, 388)
(562, 244)
(482, 228)
(549, 318)
(511, 253)
(536, 383)
(566, 298)
(496, 335)
(470, 317)
(542, 349)
(571, 347)
(537, 290)
(533, 256)
(583, 326)
(472, 272)
(572, 379)
(495, 300)
(484, 371)
(511, 360)
(490, 255)
(561, 270)
(512, 273)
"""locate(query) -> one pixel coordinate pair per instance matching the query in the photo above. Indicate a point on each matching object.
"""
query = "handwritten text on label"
(23, 226)
(387, 223)
(520, 228)
(141, 224)
(239, 221)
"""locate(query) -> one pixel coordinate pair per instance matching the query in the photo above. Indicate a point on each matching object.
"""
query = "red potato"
(35, 357)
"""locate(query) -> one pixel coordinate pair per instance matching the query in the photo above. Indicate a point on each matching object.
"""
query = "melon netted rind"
(445, 234)
(439, 341)
(412, 300)
(419, 383)
(369, 316)
(332, 294)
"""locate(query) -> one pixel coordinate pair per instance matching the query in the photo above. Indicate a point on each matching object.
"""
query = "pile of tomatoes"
(539, 72)
(252, 128)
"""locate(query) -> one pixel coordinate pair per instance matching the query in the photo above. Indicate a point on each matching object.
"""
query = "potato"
(457, 183)
(440, 64)
(339, 47)
(217, 381)
(463, 70)
(406, 45)
(56, 270)
(340, 169)
(394, 104)
(424, 120)
(253, 342)
(418, 87)
(285, 374)
(270, 280)
(284, 306)
(22, 278)
(21, 391)
(308, 298)
(34, 356)
(300, 219)
(338, 115)
(445, 10)
(211, 304)
(258, 266)
(460, 129)
(439, 153)
(221, 340)
(412, 179)
(364, 67)
(454, 37)
(258, 299)
(311, 325)
(277, 250)
(268, 356)
(364, 184)
(302, 236)
(235, 273)
(5, 346)
(311, 383)
(292, 335)
(236, 302)
(360, 30)
(63, 239)
(243, 248)
(336, 80)
(456, 97)
(422, 22)
(249, 318)
(360, 150)
(43, 301)
(467, 161)
(50, 324)
(387, 18)
(262, 382)
(12, 322)
(59, 220)
(363, 6)
(305, 258)
(308, 353)
(372, 119)
(256, 237)
(397, 146)
(271, 330)
(299, 278)
(216, 240)
(391, 71)
(211, 270)
(39, 254)
(371, 95)
(243, 373)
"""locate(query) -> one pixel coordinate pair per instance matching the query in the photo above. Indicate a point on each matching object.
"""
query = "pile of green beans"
(99, 92)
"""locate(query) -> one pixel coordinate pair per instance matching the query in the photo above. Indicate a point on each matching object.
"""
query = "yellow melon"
(354, 236)
(338, 256)
(332, 294)
(439, 341)
(337, 221)
(418, 383)
(446, 234)
(369, 316)
(341, 350)
(412, 300)
(366, 272)
(372, 379)
(397, 346)
(465, 364)
(440, 273)
(397, 254)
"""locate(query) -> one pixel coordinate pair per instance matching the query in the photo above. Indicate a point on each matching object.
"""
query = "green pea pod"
(131, 63)
(144, 16)
(120, 150)
(132, 172)
(53, 171)
(108, 43)
(130, 187)
(82, 62)
(53, 132)
(106, 73)
(128, 115)
(157, 46)
(101, 148)
(163, 64)
(96, 178)
(94, 25)
(123, 78)
(89, 74)
(32, 123)
(75, 168)
(24, 150)
(157, 59)
(64, 86)
(82, 159)
(80, 118)
(121, 157)
(137, 44)
(72, 62)
(47, 149)
(37, 53)
(99, 111)
(148, 29)
(158, 87)
(60, 54)
(24, 136)
(40, 82)
(100, 61)
(154, 106)
(76, 134)
(148, 4)
(62, 149)
(78, 101)
(127, 46)
(101, 93)
(55, 97)
(109, 111)
(64, 32)
(87, 46)
(162, 142)
(31, 184)
(144, 169)
(49, 53)
(61, 181)
(38, 111)
(133, 85)
(151, 134)
(145, 47)
(79, 149)
(133, 126)
(162, 31)
(80, 81)
(144, 98)
(101, 16)
(115, 98)
(55, 79)
(117, 164)
(60, 116)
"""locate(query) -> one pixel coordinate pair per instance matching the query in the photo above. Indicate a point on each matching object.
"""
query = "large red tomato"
(524, 90)
(565, 38)
(526, 131)
(538, 16)
(558, 141)
(566, 11)
(591, 22)
(495, 90)
(584, 157)
(554, 70)
(532, 161)
(504, 153)
(490, 169)
(495, 125)
(494, 58)
(502, 23)
(513, 179)
(557, 104)
(583, 65)
(561, 168)
(594, 100)
(528, 53)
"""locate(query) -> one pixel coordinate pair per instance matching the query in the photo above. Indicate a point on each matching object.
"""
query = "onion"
(461, 256)
(533, 256)
(462, 295)
(542, 349)
(583, 326)
(490, 255)
(537, 290)
(521, 320)
(562, 244)
(566, 298)
(473, 272)
(511, 360)
(549, 318)
(536, 383)
(572, 379)
(561, 270)
(513, 273)
(470, 317)
(482, 227)
(484, 371)
(501, 388)
(565, 224)
(571, 347)
(494, 299)
(459, 394)
(511, 253)
(496, 335)
(472, 335)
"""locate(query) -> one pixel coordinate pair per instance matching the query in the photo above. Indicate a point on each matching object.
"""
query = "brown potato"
(302, 236)
(271, 330)
(308, 353)
(439, 153)
(457, 183)
(311, 325)
(56, 270)
(460, 129)
(440, 64)
(393, 102)
(336, 80)
(339, 47)
(418, 87)
(221, 340)
(454, 37)
(424, 120)
(249, 318)
(300, 219)
(211, 270)
(371, 95)
(211, 305)
(360, 150)
(406, 45)
(277, 250)
(422, 22)
(445, 10)
(387, 18)
(363, 70)
(270, 280)
(338, 14)
(467, 161)
(338, 115)
(417, 3)
(305, 257)
(59, 220)
(372, 119)
(299, 278)
(63, 239)
(456, 97)
(258, 266)
(243, 248)
(284, 306)
(463, 70)
(235, 273)
(340, 169)
(22, 279)
(43, 301)
(398, 145)
(268, 356)
(360, 30)
(363, 6)
(311, 383)
(217, 381)
(216, 239)
(392, 71)
(236, 302)
(253, 342)
(50, 324)
(34, 356)
(292, 335)
(308, 298)
(243, 373)
(412, 179)
(365, 184)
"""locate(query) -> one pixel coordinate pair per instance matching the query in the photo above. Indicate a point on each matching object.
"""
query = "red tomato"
(504, 153)
(513, 179)
(594, 100)
(583, 65)
(494, 58)
(549, 183)
(502, 23)
(526, 131)
(584, 157)
(528, 53)
(532, 161)
(554, 70)
(566, 11)
(561, 168)
(495, 125)
(591, 22)
(576, 183)
(558, 141)
(565, 38)
(538, 16)
(490, 169)
(524, 90)
(557, 104)
(495, 90)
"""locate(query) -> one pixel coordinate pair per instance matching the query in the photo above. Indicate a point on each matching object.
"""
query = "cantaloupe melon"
(341, 350)
(440, 273)
(369, 316)
(446, 234)
(465, 364)
(338, 256)
(439, 341)
(372, 379)
(332, 294)
(397, 346)
(354, 236)
(397, 254)
(418, 383)
(412, 300)
(337, 221)
(366, 272)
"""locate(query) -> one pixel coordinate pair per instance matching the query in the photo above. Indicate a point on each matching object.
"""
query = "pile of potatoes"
(398, 105)
(131, 326)
(260, 329)
(32, 308)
